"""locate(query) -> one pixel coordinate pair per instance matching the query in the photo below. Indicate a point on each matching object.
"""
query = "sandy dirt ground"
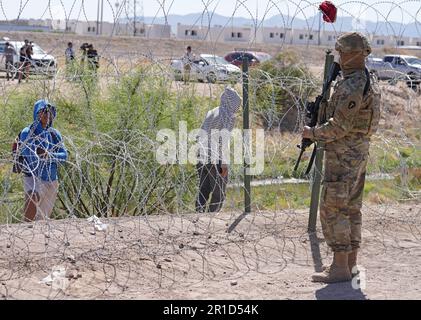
(265, 255)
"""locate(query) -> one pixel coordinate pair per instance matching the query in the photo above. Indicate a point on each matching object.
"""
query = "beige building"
(229, 34)
(154, 31)
(415, 42)
(305, 37)
(328, 38)
(400, 41)
(380, 40)
(273, 35)
(189, 32)
(219, 33)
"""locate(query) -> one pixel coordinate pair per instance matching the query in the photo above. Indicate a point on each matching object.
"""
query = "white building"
(380, 41)
(400, 41)
(328, 38)
(154, 31)
(219, 33)
(273, 35)
(415, 41)
(229, 34)
(158, 31)
(87, 28)
(189, 32)
(305, 36)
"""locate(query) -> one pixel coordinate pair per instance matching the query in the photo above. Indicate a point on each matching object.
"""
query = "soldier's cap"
(353, 42)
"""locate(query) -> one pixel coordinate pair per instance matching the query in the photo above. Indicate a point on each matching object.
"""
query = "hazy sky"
(406, 11)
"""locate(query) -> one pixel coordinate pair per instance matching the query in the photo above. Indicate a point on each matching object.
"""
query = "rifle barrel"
(297, 164)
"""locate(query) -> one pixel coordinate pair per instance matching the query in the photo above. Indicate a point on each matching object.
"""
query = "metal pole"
(134, 18)
(318, 164)
(320, 27)
(97, 18)
(247, 137)
(102, 14)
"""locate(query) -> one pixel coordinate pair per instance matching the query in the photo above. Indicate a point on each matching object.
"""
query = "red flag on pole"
(329, 11)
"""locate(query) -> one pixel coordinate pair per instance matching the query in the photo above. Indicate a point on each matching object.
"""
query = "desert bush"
(281, 87)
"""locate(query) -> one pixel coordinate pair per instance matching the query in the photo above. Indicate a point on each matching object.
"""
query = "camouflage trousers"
(342, 195)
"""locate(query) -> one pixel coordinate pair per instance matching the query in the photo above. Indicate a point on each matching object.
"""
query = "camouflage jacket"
(351, 115)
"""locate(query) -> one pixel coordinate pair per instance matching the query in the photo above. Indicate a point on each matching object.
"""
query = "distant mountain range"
(341, 25)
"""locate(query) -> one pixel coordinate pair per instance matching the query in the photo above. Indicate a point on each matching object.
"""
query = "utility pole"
(142, 13)
(97, 18)
(134, 18)
(320, 27)
(102, 14)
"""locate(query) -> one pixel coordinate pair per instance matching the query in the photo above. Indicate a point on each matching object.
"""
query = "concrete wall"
(273, 35)
(304, 37)
(328, 38)
(189, 32)
(158, 31)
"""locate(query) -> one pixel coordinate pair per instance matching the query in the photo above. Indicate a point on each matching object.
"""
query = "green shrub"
(281, 87)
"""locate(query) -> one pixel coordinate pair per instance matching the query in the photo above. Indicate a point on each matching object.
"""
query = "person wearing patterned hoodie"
(42, 150)
(214, 139)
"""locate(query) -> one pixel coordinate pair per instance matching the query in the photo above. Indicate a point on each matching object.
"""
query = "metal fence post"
(318, 164)
(246, 137)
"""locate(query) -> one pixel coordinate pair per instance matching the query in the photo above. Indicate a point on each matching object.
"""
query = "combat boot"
(337, 272)
(352, 263)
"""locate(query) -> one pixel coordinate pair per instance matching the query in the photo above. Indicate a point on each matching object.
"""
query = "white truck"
(396, 67)
(42, 63)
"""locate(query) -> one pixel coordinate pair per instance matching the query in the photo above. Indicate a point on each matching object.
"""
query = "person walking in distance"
(353, 114)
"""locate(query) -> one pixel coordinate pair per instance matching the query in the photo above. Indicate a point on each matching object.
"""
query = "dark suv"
(254, 58)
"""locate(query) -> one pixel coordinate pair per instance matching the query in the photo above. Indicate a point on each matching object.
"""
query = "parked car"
(42, 63)
(208, 67)
(254, 58)
(396, 67)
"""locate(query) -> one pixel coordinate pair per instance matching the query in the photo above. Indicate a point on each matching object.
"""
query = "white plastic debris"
(57, 278)
(99, 226)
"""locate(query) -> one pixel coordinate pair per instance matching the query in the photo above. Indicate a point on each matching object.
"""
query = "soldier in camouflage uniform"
(352, 114)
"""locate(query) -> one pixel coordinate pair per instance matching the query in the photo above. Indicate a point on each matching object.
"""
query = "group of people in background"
(25, 60)
(89, 56)
(22, 70)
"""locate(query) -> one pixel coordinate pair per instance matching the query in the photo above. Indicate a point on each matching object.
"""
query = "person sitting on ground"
(212, 164)
(42, 150)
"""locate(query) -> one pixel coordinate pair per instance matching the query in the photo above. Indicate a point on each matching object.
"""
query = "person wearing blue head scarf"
(42, 150)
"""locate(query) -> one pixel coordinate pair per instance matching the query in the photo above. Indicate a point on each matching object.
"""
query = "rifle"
(312, 114)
